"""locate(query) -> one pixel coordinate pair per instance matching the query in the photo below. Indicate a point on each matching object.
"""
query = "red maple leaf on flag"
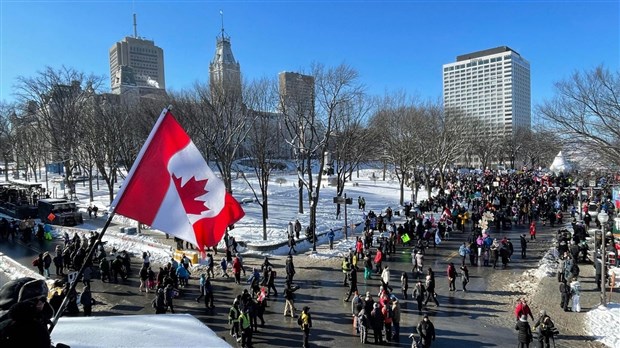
(190, 192)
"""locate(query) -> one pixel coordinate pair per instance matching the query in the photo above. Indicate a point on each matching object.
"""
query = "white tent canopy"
(560, 165)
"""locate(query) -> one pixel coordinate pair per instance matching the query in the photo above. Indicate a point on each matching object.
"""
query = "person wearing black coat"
(352, 283)
(25, 314)
(426, 330)
(418, 294)
(525, 332)
(376, 321)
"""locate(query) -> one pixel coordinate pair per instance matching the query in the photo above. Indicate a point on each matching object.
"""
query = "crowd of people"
(482, 207)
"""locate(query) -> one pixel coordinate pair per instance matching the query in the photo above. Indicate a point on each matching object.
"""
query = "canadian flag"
(171, 188)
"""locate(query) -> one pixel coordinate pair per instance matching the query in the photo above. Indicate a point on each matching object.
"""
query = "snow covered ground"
(601, 322)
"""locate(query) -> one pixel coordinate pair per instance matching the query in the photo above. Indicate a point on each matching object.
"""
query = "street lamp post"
(603, 218)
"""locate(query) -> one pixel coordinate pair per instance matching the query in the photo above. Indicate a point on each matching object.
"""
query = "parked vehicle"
(59, 212)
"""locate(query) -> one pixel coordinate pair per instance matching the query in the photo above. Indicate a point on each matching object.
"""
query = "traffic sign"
(343, 200)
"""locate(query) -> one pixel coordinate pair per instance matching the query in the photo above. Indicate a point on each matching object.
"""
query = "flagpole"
(113, 204)
(87, 261)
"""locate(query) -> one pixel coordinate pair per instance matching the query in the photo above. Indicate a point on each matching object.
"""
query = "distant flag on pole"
(171, 188)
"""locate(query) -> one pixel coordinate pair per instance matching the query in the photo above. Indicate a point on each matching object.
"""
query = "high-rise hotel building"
(492, 88)
(136, 62)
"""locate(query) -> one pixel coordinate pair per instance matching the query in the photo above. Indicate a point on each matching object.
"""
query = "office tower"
(491, 88)
(136, 62)
(297, 93)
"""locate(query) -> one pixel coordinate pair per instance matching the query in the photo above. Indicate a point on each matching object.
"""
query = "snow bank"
(529, 280)
(602, 324)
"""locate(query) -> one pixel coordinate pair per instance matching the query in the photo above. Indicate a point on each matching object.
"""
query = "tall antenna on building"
(222, 16)
(135, 26)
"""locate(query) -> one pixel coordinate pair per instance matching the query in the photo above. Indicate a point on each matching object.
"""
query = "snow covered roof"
(162, 330)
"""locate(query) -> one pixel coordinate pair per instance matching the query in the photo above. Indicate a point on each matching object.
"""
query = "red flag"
(171, 188)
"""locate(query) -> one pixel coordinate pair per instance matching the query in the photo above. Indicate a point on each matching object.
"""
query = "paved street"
(461, 320)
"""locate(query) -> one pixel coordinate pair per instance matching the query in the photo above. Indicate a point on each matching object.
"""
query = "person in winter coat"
(38, 263)
(271, 281)
(104, 270)
(169, 298)
(525, 332)
(352, 283)
(254, 281)
(236, 267)
(430, 287)
(47, 262)
(386, 310)
(419, 264)
(494, 253)
(201, 282)
(404, 284)
(224, 268)
(330, 237)
(396, 320)
(289, 299)
(207, 291)
(533, 230)
(464, 277)
(183, 275)
(144, 276)
(523, 246)
(363, 324)
(378, 259)
(426, 330)
(346, 267)
(87, 301)
(451, 272)
(367, 267)
(305, 322)
(159, 302)
(290, 269)
(377, 321)
(546, 330)
(418, 293)
(233, 318)
(464, 251)
(385, 278)
(25, 313)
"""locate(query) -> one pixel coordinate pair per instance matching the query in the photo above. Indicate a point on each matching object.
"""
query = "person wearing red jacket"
(533, 230)
(378, 260)
(236, 266)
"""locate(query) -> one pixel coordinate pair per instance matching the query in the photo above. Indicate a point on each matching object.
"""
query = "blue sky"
(395, 45)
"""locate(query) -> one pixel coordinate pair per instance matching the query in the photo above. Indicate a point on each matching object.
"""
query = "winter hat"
(523, 318)
(376, 305)
(9, 293)
(33, 289)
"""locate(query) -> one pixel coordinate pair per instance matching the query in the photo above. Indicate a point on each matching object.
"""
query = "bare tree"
(7, 114)
(29, 147)
(55, 99)
(449, 144)
(539, 147)
(308, 129)
(221, 125)
(351, 141)
(586, 112)
(483, 145)
(262, 96)
(394, 126)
